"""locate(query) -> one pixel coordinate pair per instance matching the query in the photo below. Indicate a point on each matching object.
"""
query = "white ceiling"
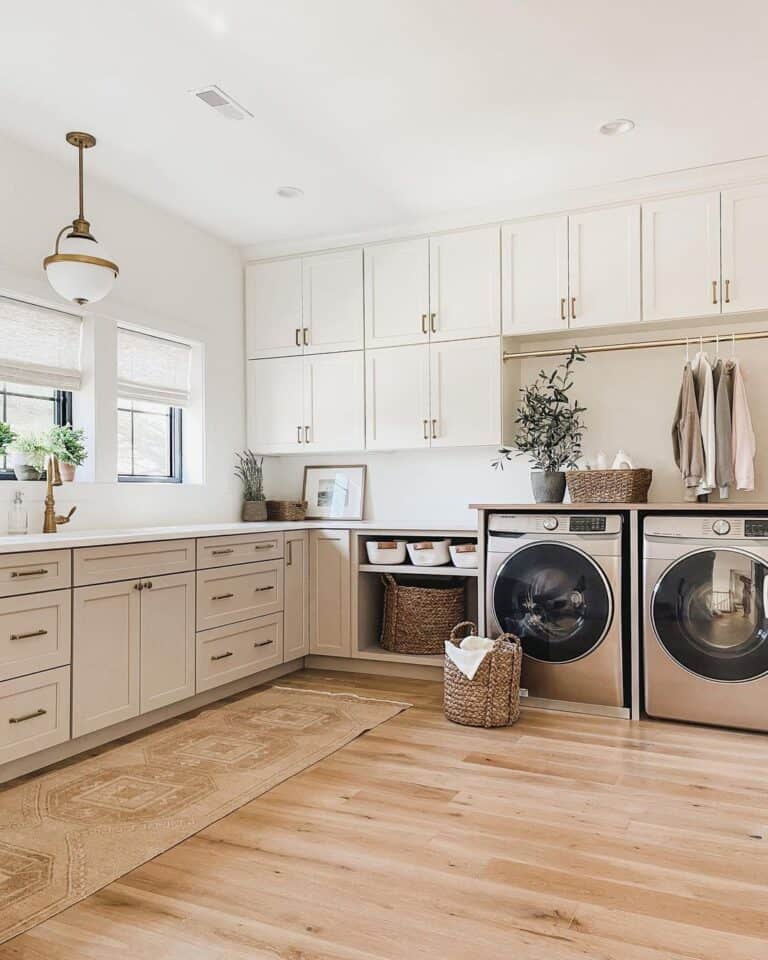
(383, 111)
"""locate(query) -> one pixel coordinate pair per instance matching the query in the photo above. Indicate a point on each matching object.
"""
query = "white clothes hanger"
(687, 351)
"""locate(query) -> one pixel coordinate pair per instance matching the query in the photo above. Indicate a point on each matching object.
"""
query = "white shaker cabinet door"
(296, 596)
(397, 397)
(106, 655)
(534, 271)
(334, 402)
(681, 257)
(604, 259)
(465, 380)
(333, 301)
(273, 317)
(276, 405)
(329, 599)
(465, 284)
(167, 640)
(397, 293)
(745, 227)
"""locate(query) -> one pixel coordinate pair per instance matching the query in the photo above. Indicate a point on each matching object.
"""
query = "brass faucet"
(51, 521)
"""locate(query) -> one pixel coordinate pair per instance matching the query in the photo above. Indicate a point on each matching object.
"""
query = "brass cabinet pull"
(221, 553)
(28, 573)
(727, 291)
(424, 326)
(573, 308)
(306, 336)
(263, 589)
(28, 716)
(264, 546)
(222, 656)
(306, 435)
(138, 586)
(299, 434)
(223, 596)
(562, 309)
(28, 636)
(433, 322)
(289, 558)
(426, 429)
(148, 584)
(298, 336)
(434, 429)
(714, 291)
(264, 643)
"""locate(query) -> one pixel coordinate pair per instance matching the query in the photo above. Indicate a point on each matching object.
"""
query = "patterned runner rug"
(69, 832)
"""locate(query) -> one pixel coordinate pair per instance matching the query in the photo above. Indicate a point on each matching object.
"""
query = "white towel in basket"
(469, 654)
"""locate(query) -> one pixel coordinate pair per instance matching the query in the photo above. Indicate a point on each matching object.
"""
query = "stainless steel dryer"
(554, 580)
(706, 619)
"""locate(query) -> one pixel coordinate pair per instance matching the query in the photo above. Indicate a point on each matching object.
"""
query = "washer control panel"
(550, 523)
(721, 527)
(755, 528)
(586, 524)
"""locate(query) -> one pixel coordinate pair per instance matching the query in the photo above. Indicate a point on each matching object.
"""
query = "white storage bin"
(429, 553)
(385, 551)
(464, 555)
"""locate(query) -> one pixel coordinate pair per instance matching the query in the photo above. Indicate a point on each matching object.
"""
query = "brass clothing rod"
(645, 345)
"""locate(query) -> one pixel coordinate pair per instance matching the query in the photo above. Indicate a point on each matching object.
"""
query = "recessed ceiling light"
(614, 127)
(290, 193)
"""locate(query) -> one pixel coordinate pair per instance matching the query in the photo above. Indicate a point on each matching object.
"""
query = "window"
(153, 385)
(30, 409)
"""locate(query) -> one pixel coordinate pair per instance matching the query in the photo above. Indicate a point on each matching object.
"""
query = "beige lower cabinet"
(34, 632)
(329, 596)
(34, 713)
(296, 598)
(167, 640)
(241, 592)
(238, 650)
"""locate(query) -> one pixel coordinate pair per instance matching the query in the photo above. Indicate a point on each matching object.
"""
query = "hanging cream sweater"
(742, 434)
(705, 397)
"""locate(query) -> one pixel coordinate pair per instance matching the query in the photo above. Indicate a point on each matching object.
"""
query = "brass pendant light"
(75, 269)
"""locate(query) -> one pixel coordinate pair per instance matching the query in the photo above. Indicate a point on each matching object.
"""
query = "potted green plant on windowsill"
(249, 470)
(66, 444)
(7, 436)
(28, 452)
(550, 429)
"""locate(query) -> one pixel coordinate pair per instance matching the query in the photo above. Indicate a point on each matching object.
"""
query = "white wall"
(174, 278)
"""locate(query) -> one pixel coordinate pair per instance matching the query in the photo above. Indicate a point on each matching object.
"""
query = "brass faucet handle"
(60, 519)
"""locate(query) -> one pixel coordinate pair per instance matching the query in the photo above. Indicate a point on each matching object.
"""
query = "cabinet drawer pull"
(562, 309)
(28, 716)
(306, 336)
(433, 322)
(289, 558)
(221, 553)
(148, 584)
(299, 434)
(426, 429)
(264, 643)
(573, 308)
(714, 291)
(306, 435)
(222, 656)
(265, 546)
(298, 336)
(263, 589)
(727, 291)
(28, 636)
(424, 327)
(29, 573)
(138, 586)
(223, 596)
(434, 429)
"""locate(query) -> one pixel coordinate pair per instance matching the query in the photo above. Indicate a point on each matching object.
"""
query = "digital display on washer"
(587, 525)
(756, 528)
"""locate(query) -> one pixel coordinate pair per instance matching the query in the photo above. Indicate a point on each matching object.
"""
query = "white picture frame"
(334, 492)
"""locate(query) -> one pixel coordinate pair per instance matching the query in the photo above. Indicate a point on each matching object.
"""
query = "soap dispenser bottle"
(18, 520)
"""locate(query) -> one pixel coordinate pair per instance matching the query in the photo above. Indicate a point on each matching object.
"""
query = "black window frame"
(62, 414)
(175, 458)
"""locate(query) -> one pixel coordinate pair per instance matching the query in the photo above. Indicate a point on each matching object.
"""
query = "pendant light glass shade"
(77, 269)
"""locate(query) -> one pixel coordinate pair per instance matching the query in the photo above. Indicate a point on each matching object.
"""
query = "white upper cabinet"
(397, 397)
(333, 302)
(465, 284)
(397, 293)
(534, 272)
(744, 231)
(334, 402)
(681, 257)
(604, 267)
(465, 389)
(273, 321)
(276, 405)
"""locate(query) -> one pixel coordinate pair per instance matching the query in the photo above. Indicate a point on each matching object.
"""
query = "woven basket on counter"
(492, 697)
(609, 486)
(418, 617)
(286, 510)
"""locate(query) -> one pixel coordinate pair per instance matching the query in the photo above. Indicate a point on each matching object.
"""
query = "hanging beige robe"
(686, 436)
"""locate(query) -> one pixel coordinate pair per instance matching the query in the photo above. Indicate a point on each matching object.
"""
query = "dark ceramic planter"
(548, 487)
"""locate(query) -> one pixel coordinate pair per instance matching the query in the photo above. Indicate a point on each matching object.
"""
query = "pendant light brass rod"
(81, 216)
(694, 341)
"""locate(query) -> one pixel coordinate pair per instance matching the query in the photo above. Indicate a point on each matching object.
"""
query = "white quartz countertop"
(94, 538)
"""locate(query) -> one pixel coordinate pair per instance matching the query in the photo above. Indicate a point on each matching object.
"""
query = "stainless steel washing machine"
(554, 580)
(706, 619)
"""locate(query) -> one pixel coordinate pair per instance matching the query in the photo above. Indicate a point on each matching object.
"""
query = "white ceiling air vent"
(222, 103)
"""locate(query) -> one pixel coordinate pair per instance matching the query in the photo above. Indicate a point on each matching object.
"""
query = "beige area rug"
(67, 833)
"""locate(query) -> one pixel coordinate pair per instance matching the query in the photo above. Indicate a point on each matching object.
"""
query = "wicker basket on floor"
(418, 616)
(609, 486)
(492, 697)
(286, 510)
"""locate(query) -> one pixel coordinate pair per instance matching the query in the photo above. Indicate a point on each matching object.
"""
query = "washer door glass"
(709, 614)
(555, 599)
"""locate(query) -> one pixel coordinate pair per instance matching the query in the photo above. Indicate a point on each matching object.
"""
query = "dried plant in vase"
(550, 430)
(249, 471)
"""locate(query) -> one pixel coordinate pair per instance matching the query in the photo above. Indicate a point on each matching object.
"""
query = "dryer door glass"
(555, 599)
(709, 614)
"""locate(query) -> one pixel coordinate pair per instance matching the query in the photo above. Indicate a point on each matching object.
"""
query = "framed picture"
(334, 493)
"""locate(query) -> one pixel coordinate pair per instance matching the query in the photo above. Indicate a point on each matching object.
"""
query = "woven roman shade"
(39, 346)
(152, 368)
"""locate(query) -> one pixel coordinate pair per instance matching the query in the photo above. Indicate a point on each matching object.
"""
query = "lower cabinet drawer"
(34, 713)
(238, 593)
(34, 633)
(228, 653)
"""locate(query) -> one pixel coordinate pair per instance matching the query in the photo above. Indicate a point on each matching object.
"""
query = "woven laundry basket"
(492, 697)
(609, 486)
(418, 616)
(286, 510)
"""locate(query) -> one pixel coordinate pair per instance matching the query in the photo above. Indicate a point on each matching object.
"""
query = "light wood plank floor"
(562, 837)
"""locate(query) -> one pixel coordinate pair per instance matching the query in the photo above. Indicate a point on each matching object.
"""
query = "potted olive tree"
(249, 470)
(66, 444)
(550, 429)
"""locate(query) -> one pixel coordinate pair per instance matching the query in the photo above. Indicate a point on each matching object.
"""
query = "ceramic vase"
(548, 486)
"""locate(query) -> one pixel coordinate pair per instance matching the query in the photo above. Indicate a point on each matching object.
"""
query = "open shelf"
(410, 568)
